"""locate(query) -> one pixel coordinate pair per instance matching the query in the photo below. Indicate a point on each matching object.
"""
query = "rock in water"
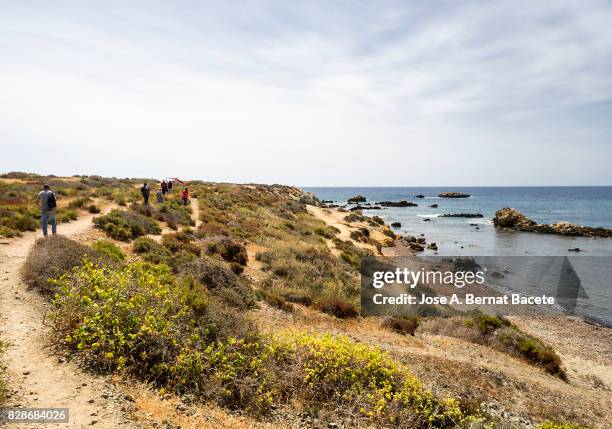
(434, 206)
(470, 215)
(357, 199)
(420, 196)
(396, 225)
(512, 218)
(402, 203)
(453, 195)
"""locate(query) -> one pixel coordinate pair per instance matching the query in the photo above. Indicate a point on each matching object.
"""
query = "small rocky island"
(357, 199)
(468, 215)
(513, 219)
(453, 195)
(402, 203)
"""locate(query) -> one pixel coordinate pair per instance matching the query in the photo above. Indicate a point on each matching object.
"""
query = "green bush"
(141, 320)
(126, 225)
(220, 281)
(151, 251)
(498, 333)
(338, 307)
(109, 249)
(180, 242)
(402, 325)
(93, 209)
(229, 250)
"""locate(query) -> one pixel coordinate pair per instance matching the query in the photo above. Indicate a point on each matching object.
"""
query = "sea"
(456, 236)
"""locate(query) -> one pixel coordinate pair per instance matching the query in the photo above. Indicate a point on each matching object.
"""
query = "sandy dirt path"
(37, 378)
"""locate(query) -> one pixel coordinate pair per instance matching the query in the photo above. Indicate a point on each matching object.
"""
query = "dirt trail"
(195, 208)
(36, 377)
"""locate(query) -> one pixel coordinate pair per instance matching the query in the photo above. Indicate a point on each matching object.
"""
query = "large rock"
(402, 203)
(453, 195)
(357, 199)
(512, 218)
(469, 215)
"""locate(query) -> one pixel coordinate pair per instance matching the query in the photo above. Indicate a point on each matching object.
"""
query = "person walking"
(160, 195)
(164, 187)
(185, 196)
(146, 192)
(169, 185)
(47, 204)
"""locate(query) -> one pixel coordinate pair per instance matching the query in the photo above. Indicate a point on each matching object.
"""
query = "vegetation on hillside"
(175, 312)
(500, 334)
(19, 206)
(174, 332)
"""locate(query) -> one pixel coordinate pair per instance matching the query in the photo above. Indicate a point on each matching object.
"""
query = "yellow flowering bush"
(142, 319)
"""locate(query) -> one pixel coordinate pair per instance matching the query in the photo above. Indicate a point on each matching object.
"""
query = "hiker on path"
(169, 185)
(164, 187)
(160, 195)
(146, 192)
(185, 196)
(47, 204)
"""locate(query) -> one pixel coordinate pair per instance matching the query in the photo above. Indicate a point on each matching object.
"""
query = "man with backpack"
(146, 192)
(47, 204)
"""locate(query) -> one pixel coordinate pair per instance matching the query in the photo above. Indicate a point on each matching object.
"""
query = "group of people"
(165, 187)
(47, 202)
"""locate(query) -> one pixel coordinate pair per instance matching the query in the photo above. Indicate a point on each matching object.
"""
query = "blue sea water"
(590, 206)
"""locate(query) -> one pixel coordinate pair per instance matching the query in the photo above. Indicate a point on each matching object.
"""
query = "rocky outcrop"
(434, 206)
(402, 203)
(396, 225)
(469, 215)
(513, 219)
(420, 196)
(453, 195)
(360, 207)
(357, 199)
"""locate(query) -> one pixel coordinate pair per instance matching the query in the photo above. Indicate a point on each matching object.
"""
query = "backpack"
(51, 203)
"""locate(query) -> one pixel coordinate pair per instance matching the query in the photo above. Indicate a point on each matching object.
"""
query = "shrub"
(338, 307)
(220, 281)
(94, 209)
(109, 249)
(275, 298)
(65, 216)
(79, 203)
(151, 251)
(180, 242)
(51, 257)
(500, 334)
(126, 225)
(137, 317)
(229, 250)
(402, 325)
(140, 319)
(236, 268)
(339, 374)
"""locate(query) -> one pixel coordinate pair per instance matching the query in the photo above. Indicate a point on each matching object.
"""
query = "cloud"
(234, 87)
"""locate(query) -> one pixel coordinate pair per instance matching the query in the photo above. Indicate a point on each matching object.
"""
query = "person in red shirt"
(185, 196)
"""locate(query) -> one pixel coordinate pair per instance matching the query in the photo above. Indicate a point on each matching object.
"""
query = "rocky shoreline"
(510, 218)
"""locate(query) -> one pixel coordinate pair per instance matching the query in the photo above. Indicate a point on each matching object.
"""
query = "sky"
(334, 93)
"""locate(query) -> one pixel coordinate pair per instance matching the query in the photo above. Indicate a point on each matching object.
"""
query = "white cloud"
(321, 93)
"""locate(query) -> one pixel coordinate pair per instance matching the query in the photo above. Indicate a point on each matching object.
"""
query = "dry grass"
(53, 256)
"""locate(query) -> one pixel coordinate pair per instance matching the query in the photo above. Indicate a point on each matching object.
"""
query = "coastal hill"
(241, 309)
